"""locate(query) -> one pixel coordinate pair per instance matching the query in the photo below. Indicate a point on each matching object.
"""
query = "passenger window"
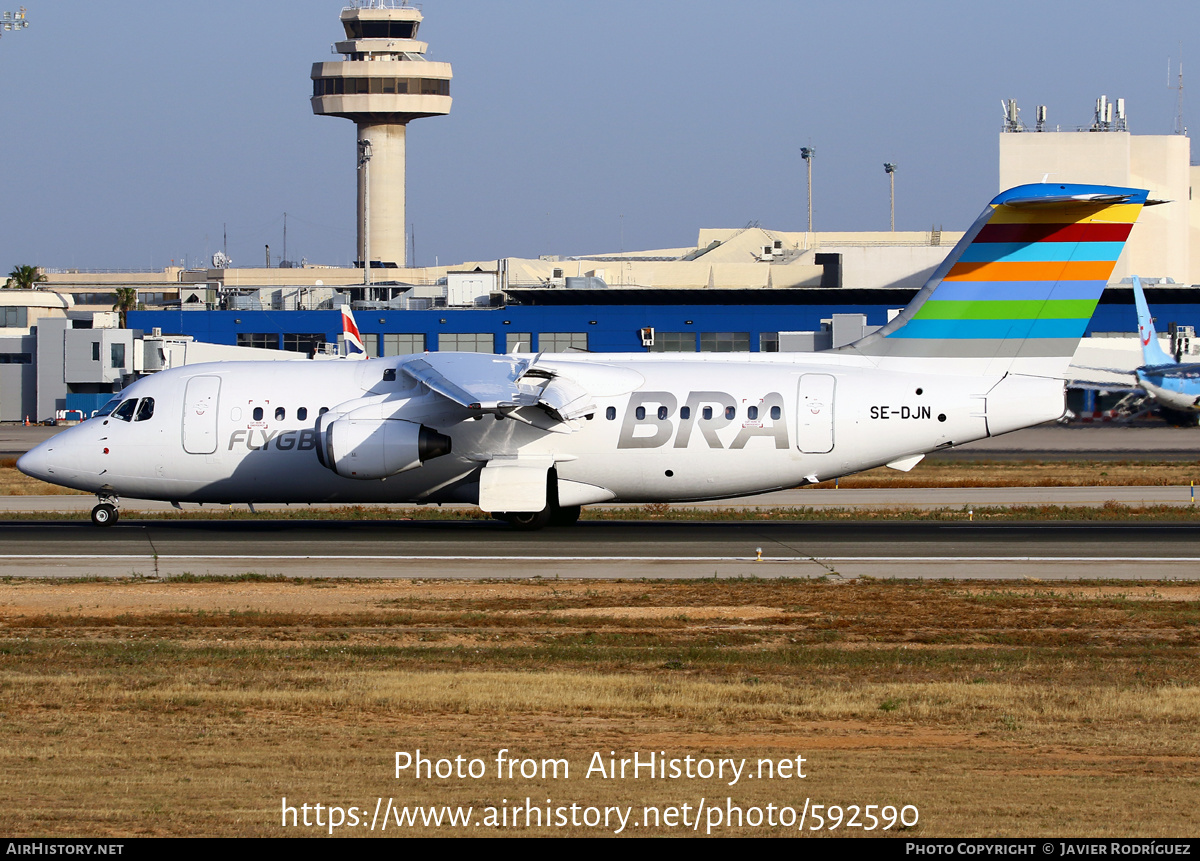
(707, 414)
(145, 410)
(611, 413)
(389, 376)
(662, 414)
(302, 413)
(280, 414)
(776, 414)
(640, 412)
(752, 413)
(258, 414)
(323, 411)
(730, 413)
(235, 414)
(125, 411)
(685, 413)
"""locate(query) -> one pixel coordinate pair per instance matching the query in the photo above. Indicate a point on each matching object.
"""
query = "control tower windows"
(380, 86)
(381, 29)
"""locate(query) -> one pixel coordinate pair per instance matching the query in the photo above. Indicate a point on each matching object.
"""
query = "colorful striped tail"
(1022, 283)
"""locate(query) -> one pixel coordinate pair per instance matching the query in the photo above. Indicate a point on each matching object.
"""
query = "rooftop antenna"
(1012, 115)
(1180, 128)
(10, 21)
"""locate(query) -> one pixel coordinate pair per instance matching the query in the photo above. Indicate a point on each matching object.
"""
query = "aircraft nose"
(35, 462)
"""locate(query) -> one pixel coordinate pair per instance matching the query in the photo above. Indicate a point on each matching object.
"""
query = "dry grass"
(193, 707)
(14, 483)
(1073, 473)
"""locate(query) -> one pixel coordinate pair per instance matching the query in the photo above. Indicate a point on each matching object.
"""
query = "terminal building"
(748, 289)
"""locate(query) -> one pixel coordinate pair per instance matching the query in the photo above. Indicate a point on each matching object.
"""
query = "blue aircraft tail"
(1153, 354)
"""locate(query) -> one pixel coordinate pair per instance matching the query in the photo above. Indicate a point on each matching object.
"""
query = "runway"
(604, 550)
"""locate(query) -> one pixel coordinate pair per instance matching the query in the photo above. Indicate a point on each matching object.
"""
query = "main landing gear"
(552, 515)
(528, 521)
(106, 513)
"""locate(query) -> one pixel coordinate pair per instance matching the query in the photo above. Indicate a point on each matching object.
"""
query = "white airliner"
(981, 350)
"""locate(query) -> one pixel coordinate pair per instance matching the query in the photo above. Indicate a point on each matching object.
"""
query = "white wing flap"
(566, 400)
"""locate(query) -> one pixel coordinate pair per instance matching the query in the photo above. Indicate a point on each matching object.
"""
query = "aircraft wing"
(477, 381)
(500, 384)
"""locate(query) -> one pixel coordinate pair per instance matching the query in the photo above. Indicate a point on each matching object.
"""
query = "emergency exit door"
(200, 415)
(814, 414)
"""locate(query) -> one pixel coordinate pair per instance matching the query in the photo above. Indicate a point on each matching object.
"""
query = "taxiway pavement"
(606, 550)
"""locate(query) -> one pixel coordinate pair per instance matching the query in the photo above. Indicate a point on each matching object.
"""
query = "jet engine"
(370, 449)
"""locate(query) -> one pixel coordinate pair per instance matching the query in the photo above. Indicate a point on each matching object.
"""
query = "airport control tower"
(382, 82)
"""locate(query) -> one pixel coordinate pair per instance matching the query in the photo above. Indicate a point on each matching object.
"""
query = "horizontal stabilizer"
(1059, 200)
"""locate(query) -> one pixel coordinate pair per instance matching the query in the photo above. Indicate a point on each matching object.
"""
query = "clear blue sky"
(133, 131)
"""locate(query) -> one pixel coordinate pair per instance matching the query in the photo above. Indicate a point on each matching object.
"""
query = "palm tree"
(24, 277)
(126, 301)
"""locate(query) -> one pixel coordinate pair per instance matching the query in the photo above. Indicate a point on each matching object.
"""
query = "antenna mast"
(1180, 128)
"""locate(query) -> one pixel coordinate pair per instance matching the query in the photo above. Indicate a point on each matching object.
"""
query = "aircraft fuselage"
(253, 432)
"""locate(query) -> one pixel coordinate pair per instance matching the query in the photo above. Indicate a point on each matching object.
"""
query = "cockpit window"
(145, 410)
(109, 406)
(125, 411)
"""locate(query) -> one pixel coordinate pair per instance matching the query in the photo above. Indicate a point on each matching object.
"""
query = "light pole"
(364, 160)
(808, 153)
(890, 168)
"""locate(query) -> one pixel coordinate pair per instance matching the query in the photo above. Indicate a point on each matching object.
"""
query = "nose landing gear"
(106, 513)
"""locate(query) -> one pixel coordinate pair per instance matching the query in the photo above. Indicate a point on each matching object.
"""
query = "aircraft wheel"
(566, 516)
(528, 521)
(105, 514)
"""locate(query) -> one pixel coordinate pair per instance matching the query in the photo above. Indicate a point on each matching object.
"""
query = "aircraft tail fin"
(1152, 352)
(1019, 289)
(351, 335)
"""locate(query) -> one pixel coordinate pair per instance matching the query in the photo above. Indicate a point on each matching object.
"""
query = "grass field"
(194, 707)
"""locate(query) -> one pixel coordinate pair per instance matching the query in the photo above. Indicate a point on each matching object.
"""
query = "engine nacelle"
(371, 449)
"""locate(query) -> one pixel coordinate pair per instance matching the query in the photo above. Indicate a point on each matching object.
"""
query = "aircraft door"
(814, 422)
(200, 415)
